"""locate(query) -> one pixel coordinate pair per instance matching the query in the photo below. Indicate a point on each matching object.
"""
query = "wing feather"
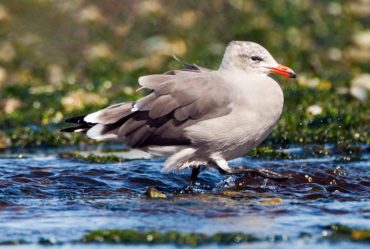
(154, 80)
(130, 126)
(175, 104)
(162, 106)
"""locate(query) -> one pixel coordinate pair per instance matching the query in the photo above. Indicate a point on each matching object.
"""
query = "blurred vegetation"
(63, 58)
(333, 232)
(172, 237)
(92, 158)
(337, 232)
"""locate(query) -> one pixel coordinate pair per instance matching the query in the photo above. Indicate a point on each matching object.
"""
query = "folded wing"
(177, 100)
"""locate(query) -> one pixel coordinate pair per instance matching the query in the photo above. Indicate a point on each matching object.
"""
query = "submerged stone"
(155, 193)
(271, 201)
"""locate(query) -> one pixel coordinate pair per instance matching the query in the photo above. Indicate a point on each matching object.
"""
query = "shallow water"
(44, 197)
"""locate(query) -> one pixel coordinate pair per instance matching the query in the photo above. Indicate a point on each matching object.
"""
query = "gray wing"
(176, 102)
(178, 99)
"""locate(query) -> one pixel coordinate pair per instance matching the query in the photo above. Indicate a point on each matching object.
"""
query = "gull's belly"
(249, 129)
(233, 135)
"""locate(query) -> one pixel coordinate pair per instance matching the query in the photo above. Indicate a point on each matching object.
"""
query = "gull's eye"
(256, 58)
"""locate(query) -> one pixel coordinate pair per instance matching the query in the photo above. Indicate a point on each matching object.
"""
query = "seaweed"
(131, 236)
(343, 232)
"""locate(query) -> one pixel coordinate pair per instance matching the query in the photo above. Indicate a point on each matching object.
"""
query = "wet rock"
(234, 194)
(154, 193)
(271, 201)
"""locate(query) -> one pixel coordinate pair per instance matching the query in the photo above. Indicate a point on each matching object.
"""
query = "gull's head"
(252, 58)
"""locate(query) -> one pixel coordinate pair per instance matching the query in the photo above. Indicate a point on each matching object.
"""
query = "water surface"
(46, 198)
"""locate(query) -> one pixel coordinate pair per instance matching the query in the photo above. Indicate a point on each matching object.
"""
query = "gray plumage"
(198, 116)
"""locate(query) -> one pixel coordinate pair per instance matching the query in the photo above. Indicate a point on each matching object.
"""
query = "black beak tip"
(292, 75)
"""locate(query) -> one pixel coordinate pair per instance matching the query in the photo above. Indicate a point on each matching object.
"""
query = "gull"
(198, 117)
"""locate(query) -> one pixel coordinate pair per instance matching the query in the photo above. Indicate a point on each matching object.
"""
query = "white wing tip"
(134, 108)
(141, 79)
(96, 133)
(78, 130)
(93, 118)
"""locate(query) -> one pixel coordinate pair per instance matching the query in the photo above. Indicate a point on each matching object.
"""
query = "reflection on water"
(43, 196)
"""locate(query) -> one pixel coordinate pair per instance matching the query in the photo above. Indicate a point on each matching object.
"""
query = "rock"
(232, 194)
(155, 193)
(271, 201)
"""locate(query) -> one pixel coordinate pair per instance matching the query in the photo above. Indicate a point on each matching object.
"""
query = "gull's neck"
(230, 70)
(230, 61)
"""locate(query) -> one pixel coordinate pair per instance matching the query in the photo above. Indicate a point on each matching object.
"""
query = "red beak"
(283, 70)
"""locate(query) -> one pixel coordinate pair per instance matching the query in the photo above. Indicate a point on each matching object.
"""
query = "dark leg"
(193, 179)
(194, 176)
(259, 171)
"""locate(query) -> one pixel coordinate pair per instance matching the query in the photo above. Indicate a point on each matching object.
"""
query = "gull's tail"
(102, 124)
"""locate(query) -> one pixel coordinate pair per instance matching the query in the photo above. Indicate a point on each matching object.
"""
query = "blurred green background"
(63, 58)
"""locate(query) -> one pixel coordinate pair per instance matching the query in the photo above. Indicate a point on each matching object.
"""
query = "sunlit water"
(45, 197)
